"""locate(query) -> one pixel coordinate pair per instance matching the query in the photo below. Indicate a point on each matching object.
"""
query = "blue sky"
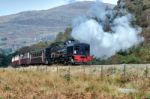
(14, 6)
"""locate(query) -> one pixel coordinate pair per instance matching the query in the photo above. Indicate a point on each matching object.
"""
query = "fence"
(140, 70)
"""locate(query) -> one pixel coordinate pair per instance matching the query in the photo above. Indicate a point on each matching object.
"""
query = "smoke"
(107, 31)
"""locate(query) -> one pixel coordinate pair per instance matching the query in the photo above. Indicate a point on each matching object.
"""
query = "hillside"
(140, 54)
(141, 9)
(30, 27)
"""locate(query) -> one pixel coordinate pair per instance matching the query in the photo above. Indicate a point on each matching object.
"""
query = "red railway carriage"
(25, 59)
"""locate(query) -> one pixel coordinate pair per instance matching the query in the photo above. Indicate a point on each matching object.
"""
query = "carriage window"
(77, 50)
(82, 50)
(87, 50)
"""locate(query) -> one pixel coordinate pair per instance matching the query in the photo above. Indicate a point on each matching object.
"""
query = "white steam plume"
(107, 31)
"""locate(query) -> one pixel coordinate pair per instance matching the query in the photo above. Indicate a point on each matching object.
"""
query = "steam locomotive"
(68, 52)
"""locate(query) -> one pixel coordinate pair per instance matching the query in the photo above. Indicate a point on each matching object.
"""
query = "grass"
(75, 82)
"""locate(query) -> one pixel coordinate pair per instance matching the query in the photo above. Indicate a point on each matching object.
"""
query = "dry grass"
(75, 83)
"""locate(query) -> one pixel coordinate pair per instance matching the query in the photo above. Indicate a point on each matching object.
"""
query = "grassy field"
(79, 82)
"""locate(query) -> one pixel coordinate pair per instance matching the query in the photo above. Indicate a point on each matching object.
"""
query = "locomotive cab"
(82, 49)
(79, 53)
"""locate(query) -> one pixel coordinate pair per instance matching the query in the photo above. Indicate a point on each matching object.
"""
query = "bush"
(131, 59)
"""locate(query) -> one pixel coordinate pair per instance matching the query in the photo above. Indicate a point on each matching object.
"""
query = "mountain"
(29, 27)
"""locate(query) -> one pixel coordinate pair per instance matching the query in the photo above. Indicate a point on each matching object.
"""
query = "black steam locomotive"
(69, 52)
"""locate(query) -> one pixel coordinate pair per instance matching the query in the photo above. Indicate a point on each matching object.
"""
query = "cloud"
(15, 6)
(105, 1)
(110, 1)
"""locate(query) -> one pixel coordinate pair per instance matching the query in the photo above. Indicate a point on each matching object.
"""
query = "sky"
(14, 6)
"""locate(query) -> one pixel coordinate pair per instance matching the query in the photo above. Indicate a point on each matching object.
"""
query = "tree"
(4, 60)
(64, 36)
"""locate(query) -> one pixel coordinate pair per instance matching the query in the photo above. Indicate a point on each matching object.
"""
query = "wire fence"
(139, 70)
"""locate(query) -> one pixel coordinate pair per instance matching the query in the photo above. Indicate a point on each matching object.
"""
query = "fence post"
(69, 75)
(37, 68)
(114, 70)
(101, 71)
(124, 70)
(69, 71)
(146, 72)
(46, 68)
(57, 69)
(84, 72)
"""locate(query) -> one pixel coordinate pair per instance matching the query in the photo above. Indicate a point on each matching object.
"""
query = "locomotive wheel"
(71, 61)
(46, 62)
